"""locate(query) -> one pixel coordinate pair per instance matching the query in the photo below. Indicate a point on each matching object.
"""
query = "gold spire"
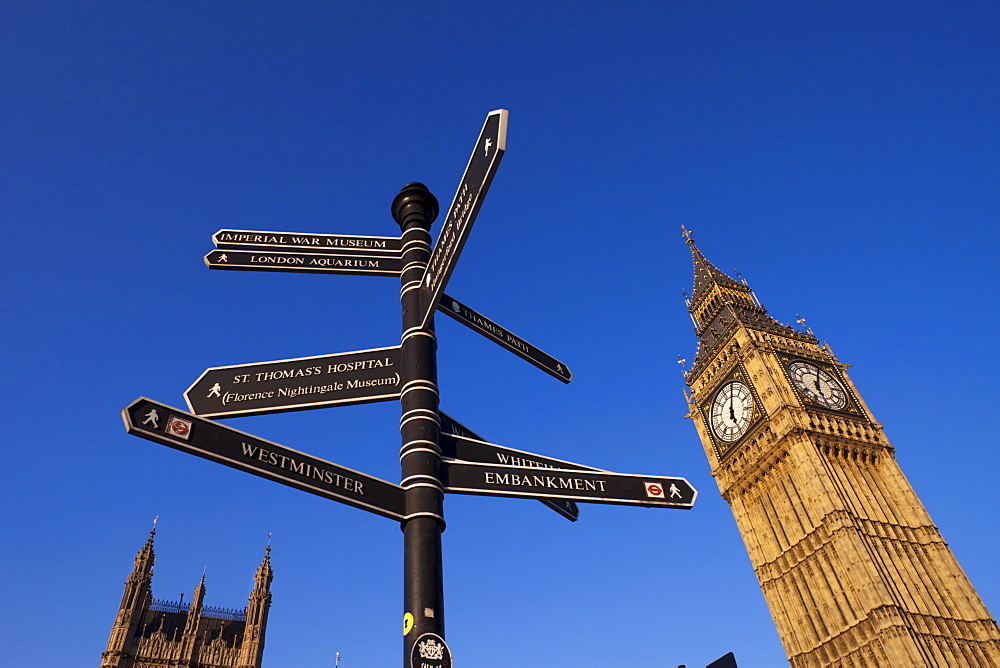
(706, 274)
(265, 573)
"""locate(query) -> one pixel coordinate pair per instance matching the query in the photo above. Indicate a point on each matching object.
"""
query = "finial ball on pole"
(414, 198)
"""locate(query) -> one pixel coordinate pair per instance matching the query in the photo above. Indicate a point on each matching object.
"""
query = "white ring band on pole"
(410, 285)
(415, 245)
(426, 412)
(419, 384)
(432, 482)
(408, 445)
(414, 516)
(417, 331)
(406, 452)
(403, 422)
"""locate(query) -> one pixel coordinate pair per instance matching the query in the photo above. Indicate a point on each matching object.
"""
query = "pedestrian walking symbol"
(154, 417)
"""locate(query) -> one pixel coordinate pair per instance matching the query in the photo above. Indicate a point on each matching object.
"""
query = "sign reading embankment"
(297, 384)
(590, 486)
(197, 436)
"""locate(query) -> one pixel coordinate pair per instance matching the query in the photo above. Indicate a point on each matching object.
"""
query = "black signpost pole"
(420, 456)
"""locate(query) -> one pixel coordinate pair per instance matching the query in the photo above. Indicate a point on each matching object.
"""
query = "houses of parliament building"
(153, 633)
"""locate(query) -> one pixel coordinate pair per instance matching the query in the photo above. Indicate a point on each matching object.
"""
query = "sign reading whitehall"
(461, 215)
(467, 449)
(305, 263)
(197, 436)
(306, 243)
(506, 338)
(590, 486)
(459, 442)
(297, 384)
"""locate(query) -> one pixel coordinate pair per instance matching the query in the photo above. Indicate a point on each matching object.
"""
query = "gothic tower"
(150, 633)
(853, 569)
(252, 648)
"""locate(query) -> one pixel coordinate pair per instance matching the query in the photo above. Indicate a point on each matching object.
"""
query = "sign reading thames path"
(507, 339)
(438, 455)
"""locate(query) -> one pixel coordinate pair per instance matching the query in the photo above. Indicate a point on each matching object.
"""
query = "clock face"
(732, 411)
(817, 385)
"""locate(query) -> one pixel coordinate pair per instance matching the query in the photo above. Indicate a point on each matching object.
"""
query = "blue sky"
(842, 156)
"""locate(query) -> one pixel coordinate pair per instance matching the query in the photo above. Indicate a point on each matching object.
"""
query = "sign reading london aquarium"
(304, 263)
(297, 384)
(438, 455)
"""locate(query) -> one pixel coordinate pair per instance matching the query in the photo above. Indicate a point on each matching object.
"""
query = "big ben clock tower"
(853, 569)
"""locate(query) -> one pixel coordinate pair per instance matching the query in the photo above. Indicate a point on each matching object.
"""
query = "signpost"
(297, 384)
(304, 263)
(506, 338)
(438, 454)
(459, 442)
(483, 163)
(197, 436)
(590, 486)
(304, 242)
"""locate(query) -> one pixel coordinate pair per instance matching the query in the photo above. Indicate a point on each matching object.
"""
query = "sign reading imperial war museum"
(304, 242)
(297, 384)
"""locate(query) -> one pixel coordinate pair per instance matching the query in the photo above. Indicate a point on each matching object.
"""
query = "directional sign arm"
(180, 430)
(297, 384)
(476, 180)
(304, 263)
(459, 442)
(587, 486)
(467, 449)
(303, 242)
(480, 323)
